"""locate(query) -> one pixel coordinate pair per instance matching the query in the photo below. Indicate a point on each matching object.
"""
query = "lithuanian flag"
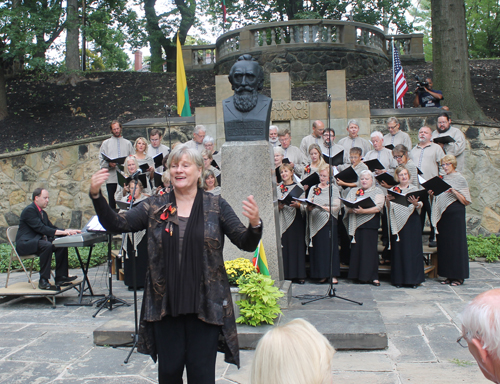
(260, 260)
(183, 107)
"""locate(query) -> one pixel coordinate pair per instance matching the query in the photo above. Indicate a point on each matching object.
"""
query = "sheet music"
(94, 225)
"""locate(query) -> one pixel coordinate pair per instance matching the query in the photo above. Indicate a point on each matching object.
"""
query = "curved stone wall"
(311, 64)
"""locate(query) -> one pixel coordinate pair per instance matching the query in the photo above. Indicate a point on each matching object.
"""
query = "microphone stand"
(168, 114)
(331, 289)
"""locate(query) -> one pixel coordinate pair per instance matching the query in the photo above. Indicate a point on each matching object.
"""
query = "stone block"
(318, 111)
(299, 129)
(491, 220)
(222, 88)
(281, 87)
(358, 109)
(335, 85)
(256, 180)
(16, 197)
(205, 115)
(338, 109)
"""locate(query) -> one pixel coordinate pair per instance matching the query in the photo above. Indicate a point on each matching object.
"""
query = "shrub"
(480, 246)
(237, 268)
(261, 303)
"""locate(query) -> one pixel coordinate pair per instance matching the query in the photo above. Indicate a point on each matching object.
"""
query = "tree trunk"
(155, 36)
(3, 92)
(450, 59)
(72, 32)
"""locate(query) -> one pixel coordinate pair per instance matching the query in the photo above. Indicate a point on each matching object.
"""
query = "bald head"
(318, 129)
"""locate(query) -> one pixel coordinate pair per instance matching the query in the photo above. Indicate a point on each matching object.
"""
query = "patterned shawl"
(442, 201)
(352, 221)
(318, 217)
(287, 214)
(412, 168)
(400, 214)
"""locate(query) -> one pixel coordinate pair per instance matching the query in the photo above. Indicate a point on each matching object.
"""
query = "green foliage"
(99, 256)
(461, 363)
(422, 23)
(483, 28)
(261, 303)
(480, 246)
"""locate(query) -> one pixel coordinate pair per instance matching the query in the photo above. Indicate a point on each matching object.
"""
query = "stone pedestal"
(249, 170)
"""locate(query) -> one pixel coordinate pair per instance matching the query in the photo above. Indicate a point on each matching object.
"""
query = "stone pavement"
(39, 344)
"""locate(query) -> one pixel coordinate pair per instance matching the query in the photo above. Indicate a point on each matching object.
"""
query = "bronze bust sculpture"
(247, 113)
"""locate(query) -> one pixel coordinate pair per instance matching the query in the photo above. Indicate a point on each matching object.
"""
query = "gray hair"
(392, 119)
(284, 132)
(352, 121)
(481, 320)
(273, 127)
(366, 172)
(279, 151)
(192, 154)
(199, 128)
(130, 157)
(208, 139)
(377, 134)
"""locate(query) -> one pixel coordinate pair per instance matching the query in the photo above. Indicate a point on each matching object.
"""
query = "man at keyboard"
(35, 236)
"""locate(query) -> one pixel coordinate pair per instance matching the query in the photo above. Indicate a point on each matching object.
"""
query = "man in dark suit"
(35, 236)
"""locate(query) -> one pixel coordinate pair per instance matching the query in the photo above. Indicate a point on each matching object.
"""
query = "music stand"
(331, 289)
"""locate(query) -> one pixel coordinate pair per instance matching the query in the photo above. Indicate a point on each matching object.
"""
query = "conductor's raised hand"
(97, 181)
(251, 211)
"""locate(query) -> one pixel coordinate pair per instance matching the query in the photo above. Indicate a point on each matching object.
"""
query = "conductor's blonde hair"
(294, 353)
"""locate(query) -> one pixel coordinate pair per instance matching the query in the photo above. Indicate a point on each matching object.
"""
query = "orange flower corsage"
(397, 189)
(317, 191)
(360, 192)
(168, 214)
(283, 188)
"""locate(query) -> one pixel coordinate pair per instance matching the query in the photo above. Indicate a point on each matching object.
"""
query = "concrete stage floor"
(39, 344)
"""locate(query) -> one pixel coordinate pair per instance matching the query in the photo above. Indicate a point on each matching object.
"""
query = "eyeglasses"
(398, 157)
(462, 342)
(446, 164)
(391, 126)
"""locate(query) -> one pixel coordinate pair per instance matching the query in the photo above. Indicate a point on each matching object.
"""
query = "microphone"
(136, 174)
(168, 109)
(329, 100)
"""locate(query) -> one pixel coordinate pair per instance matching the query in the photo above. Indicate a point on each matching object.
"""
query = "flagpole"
(393, 78)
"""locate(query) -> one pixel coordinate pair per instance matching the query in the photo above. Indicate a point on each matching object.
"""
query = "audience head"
(397, 172)
(377, 140)
(449, 163)
(131, 165)
(184, 153)
(294, 353)
(138, 190)
(116, 128)
(318, 128)
(324, 173)
(316, 154)
(285, 138)
(355, 155)
(424, 135)
(443, 122)
(286, 171)
(393, 125)
(209, 180)
(400, 154)
(199, 133)
(273, 133)
(155, 138)
(208, 143)
(207, 158)
(279, 154)
(141, 145)
(165, 179)
(353, 128)
(481, 330)
(366, 179)
(328, 136)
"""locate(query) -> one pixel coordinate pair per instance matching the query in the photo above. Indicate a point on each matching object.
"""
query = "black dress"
(407, 265)
(140, 263)
(319, 253)
(453, 254)
(364, 254)
(294, 249)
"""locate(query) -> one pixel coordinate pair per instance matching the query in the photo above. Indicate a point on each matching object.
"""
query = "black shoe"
(43, 283)
(65, 280)
(433, 244)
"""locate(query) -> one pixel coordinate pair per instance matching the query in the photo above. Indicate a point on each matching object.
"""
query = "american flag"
(399, 80)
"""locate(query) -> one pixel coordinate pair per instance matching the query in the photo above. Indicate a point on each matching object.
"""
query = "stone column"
(249, 170)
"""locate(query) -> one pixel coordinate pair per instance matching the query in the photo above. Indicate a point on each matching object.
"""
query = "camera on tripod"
(421, 83)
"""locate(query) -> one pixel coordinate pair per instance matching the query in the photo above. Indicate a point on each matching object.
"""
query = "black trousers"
(426, 209)
(111, 188)
(186, 341)
(44, 251)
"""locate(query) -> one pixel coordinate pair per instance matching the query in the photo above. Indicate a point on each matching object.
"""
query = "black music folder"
(348, 175)
(308, 202)
(278, 175)
(443, 139)
(158, 159)
(125, 205)
(157, 179)
(336, 159)
(402, 199)
(311, 180)
(436, 185)
(117, 160)
(387, 178)
(365, 202)
(144, 167)
(215, 165)
(295, 192)
(125, 181)
(374, 164)
(285, 161)
(390, 146)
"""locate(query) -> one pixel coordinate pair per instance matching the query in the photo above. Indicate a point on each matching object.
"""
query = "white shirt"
(152, 152)
(457, 148)
(399, 138)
